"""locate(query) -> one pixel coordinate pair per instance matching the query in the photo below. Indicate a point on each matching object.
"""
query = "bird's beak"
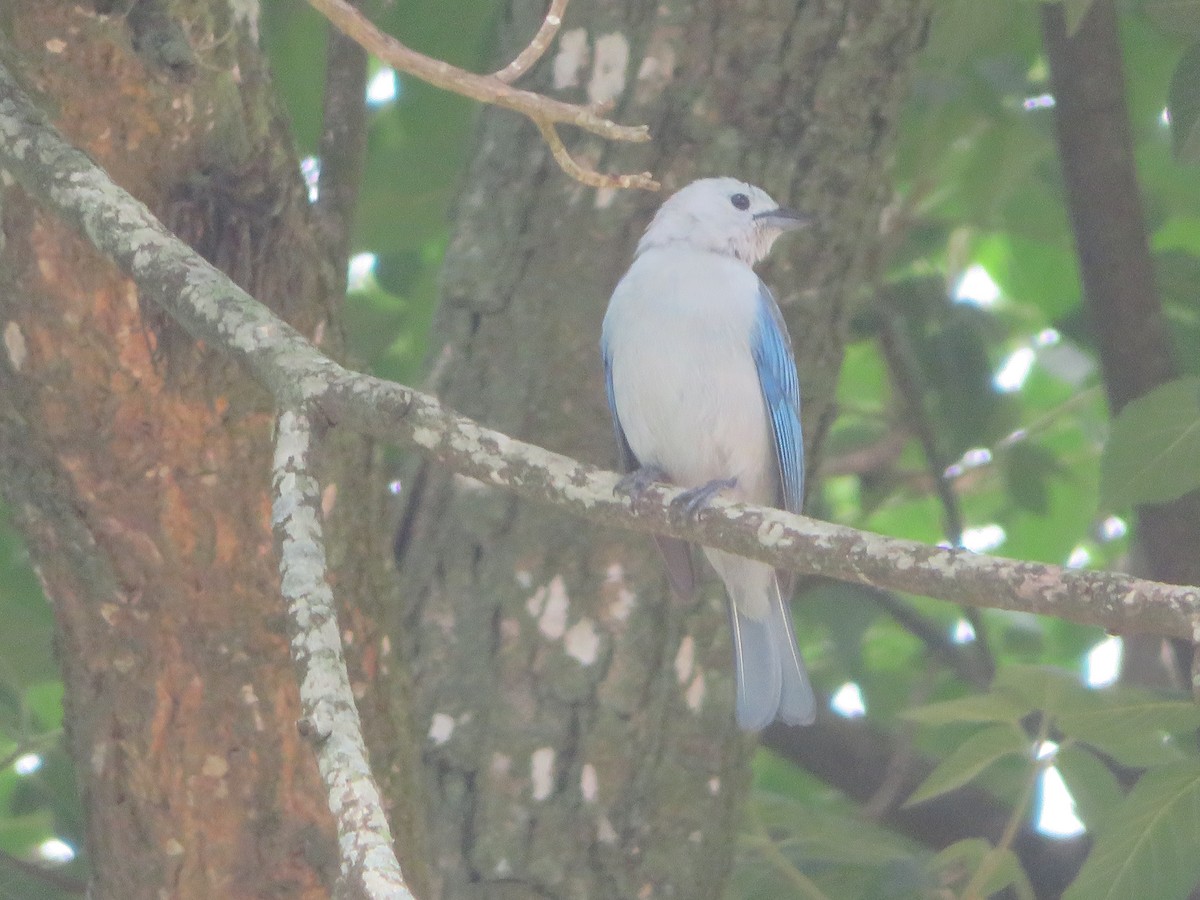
(784, 219)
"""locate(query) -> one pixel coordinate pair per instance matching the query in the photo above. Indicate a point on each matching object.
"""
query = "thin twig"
(528, 57)
(581, 173)
(369, 868)
(493, 90)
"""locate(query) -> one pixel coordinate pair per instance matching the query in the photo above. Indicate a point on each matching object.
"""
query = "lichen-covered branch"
(215, 310)
(1115, 601)
(495, 89)
(369, 867)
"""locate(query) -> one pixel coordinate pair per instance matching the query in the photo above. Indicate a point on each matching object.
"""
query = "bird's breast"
(685, 385)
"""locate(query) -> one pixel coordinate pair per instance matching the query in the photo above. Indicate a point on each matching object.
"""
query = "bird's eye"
(740, 201)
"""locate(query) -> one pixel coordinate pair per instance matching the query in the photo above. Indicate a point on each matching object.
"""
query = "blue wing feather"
(781, 394)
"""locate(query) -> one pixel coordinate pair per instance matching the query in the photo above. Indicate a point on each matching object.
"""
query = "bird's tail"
(771, 680)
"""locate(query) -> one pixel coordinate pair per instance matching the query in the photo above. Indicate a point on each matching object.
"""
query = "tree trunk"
(138, 464)
(579, 739)
(1121, 298)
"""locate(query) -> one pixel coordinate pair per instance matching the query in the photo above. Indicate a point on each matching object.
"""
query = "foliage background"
(930, 383)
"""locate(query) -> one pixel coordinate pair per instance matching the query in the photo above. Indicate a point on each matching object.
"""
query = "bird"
(702, 386)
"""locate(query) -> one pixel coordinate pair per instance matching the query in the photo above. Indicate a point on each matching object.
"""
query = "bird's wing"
(676, 554)
(627, 460)
(781, 395)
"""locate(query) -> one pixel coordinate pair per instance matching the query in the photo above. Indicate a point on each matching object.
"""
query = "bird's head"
(721, 215)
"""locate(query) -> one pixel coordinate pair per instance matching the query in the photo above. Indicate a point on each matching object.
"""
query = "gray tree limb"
(213, 309)
(369, 868)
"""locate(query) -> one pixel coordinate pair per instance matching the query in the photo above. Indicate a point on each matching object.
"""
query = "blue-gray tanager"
(703, 392)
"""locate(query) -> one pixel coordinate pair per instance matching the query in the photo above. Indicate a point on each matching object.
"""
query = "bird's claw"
(689, 504)
(636, 482)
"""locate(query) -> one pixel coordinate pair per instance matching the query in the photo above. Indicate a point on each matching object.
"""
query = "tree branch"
(1091, 123)
(369, 867)
(545, 112)
(528, 57)
(215, 310)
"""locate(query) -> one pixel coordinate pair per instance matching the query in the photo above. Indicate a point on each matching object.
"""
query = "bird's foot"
(636, 482)
(689, 504)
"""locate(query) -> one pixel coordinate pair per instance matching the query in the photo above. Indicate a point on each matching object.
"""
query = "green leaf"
(58, 791)
(294, 38)
(25, 652)
(1177, 272)
(1132, 728)
(863, 382)
(1028, 469)
(976, 708)
(1179, 233)
(1183, 101)
(1008, 872)
(959, 862)
(1153, 453)
(1092, 784)
(1071, 499)
(846, 612)
(1044, 688)
(45, 701)
(1149, 848)
(374, 319)
(21, 833)
(1039, 272)
(959, 375)
(964, 30)
(828, 835)
(972, 756)
(793, 831)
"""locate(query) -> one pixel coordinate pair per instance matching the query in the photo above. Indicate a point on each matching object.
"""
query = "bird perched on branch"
(703, 392)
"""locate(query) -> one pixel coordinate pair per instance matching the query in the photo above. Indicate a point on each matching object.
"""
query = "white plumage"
(703, 419)
(703, 390)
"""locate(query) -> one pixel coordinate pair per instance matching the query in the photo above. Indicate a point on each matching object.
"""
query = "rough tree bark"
(578, 733)
(137, 465)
